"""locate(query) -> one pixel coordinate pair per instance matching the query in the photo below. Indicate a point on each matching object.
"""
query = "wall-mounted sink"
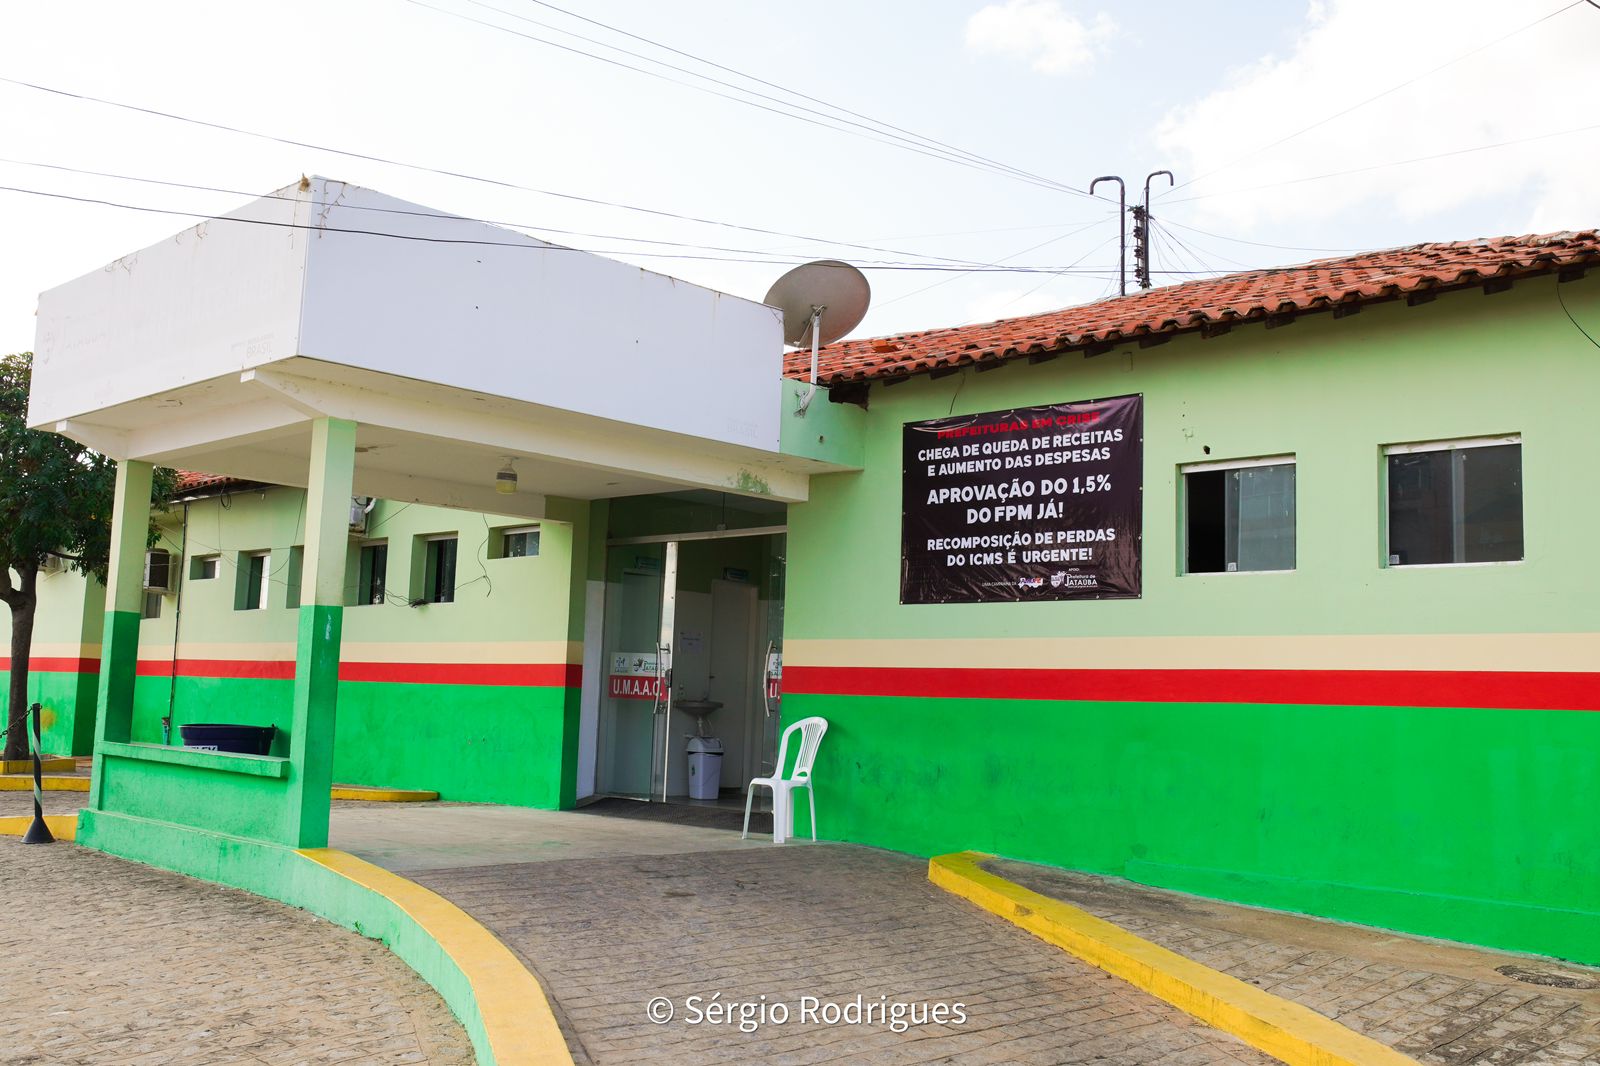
(701, 709)
(698, 708)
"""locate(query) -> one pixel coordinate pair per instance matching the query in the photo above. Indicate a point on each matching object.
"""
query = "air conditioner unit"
(52, 564)
(158, 570)
(360, 507)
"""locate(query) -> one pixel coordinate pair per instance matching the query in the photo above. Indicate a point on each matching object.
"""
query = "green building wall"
(1407, 747)
(476, 699)
(65, 661)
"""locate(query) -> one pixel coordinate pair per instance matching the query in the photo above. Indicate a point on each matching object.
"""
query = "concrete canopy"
(453, 344)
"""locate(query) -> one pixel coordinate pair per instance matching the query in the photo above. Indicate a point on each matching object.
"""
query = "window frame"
(430, 567)
(1446, 444)
(264, 588)
(1214, 466)
(511, 531)
(199, 563)
(363, 575)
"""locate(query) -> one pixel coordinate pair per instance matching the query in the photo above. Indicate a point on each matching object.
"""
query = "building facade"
(1350, 672)
(1337, 732)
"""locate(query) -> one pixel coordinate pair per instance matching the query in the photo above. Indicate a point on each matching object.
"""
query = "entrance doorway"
(691, 656)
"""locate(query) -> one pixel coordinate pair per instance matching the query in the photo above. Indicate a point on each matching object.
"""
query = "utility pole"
(1141, 231)
(1122, 228)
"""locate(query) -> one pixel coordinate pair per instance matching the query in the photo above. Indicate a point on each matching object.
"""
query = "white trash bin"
(705, 767)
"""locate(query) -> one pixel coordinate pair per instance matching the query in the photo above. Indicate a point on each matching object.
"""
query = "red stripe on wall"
(56, 664)
(534, 675)
(269, 669)
(544, 675)
(1370, 688)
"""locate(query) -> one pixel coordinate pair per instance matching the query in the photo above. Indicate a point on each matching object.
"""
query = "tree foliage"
(55, 500)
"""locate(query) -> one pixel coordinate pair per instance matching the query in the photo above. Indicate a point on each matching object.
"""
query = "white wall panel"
(515, 317)
(213, 299)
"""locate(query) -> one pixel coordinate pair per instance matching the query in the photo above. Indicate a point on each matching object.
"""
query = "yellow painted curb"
(62, 826)
(50, 783)
(517, 1019)
(1285, 1030)
(49, 764)
(382, 795)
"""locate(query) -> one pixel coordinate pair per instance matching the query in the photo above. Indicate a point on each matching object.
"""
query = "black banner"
(1035, 503)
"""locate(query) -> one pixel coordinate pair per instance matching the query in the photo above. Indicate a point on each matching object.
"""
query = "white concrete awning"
(453, 344)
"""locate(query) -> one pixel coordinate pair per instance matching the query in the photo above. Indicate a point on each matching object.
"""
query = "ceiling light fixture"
(505, 479)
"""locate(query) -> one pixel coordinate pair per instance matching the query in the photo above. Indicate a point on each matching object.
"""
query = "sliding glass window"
(1454, 502)
(1239, 516)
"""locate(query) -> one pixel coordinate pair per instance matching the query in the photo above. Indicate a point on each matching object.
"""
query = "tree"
(55, 500)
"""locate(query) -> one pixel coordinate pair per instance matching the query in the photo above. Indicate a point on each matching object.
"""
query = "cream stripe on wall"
(41, 650)
(1536, 652)
(508, 651)
(522, 651)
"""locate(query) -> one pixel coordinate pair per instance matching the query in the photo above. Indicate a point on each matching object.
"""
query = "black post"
(1141, 246)
(38, 832)
(1122, 229)
(1142, 225)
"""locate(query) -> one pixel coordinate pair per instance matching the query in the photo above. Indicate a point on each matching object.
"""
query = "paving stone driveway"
(1442, 1003)
(20, 804)
(107, 961)
(830, 921)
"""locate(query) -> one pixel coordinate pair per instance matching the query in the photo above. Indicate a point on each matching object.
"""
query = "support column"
(316, 669)
(119, 640)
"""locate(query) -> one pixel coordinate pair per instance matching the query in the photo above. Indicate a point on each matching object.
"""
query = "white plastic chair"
(810, 730)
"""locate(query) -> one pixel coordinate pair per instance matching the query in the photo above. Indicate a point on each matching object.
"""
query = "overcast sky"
(1253, 105)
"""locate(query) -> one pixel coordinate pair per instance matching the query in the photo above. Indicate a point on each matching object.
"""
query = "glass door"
(772, 661)
(692, 626)
(636, 702)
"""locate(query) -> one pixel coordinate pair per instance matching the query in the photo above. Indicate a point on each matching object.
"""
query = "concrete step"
(53, 764)
(372, 794)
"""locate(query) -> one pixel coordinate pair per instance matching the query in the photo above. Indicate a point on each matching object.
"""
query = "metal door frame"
(661, 709)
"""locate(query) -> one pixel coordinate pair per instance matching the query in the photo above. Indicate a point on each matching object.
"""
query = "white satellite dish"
(821, 302)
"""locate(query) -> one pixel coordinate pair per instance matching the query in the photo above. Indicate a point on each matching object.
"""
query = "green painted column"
(316, 670)
(119, 641)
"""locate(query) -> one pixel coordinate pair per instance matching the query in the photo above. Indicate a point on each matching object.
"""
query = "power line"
(769, 84)
(898, 137)
(1391, 163)
(441, 214)
(421, 238)
(977, 232)
(1562, 299)
(1016, 299)
(1025, 251)
(1165, 246)
(907, 145)
(1379, 96)
(1371, 260)
(425, 169)
(1195, 251)
(1258, 244)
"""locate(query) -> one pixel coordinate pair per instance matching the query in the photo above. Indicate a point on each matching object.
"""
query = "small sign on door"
(633, 687)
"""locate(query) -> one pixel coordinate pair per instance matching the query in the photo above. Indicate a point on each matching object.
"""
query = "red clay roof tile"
(1204, 305)
(192, 481)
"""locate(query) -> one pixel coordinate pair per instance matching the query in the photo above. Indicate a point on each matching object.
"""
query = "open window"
(1239, 516)
(374, 572)
(250, 591)
(439, 569)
